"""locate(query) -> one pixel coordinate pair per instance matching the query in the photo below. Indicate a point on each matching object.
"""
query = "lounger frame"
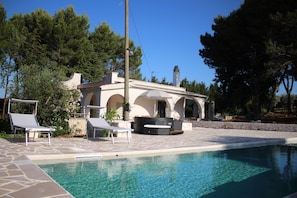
(27, 122)
(102, 124)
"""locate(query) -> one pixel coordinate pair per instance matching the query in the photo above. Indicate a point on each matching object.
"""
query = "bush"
(60, 124)
(5, 125)
(111, 115)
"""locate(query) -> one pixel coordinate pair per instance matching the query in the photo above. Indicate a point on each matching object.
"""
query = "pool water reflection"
(253, 172)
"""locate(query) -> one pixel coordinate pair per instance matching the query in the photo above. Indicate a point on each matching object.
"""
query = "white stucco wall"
(111, 95)
(74, 81)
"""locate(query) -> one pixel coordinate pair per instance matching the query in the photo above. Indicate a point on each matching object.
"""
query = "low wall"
(123, 124)
(246, 126)
(78, 126)
(187, 126)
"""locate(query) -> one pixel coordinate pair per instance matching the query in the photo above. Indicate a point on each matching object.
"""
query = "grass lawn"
(10, 135)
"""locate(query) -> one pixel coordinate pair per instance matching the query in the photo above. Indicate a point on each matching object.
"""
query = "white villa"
(109, 94)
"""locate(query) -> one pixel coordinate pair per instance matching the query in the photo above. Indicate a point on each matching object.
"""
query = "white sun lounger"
(100, 123)
(27, 122)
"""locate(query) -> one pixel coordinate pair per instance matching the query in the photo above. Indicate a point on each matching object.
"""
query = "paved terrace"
(21, 177)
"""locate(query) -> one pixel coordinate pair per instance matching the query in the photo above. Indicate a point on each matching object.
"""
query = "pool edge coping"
(153, 152)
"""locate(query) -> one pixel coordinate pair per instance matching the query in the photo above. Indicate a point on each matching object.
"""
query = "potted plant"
(111, 115)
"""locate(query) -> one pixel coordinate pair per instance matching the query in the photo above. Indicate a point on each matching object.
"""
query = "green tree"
(238, 53)
(70, 47)
(164, 81)
(154, 79)
(283, 51)
(195, 87)
(39, 46)
(9, 48)
(107, 46)
(5, 69)
(38, 29)
(110, 48)
(45, 85)
(16, 36)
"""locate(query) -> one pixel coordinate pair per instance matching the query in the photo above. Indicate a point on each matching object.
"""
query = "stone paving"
(20, 175)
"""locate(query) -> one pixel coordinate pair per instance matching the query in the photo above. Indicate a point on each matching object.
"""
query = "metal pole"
(126, 87)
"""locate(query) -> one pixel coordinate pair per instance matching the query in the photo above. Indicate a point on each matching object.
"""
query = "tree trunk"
(288, 82)
(289, 109)
(255, 106)
(6, 91)
(5, 99)
(272, 99)
(256, 103)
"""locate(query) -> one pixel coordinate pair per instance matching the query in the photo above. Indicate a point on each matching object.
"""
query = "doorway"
(161, 109)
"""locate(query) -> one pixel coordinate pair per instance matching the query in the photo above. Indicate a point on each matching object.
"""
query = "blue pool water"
(253, 172)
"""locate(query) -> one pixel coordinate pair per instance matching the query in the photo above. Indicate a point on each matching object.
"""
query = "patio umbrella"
(155, 95)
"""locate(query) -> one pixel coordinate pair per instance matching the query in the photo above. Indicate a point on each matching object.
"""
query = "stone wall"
(246, 126)
(187, 126)
(123, 124)
(78, 126)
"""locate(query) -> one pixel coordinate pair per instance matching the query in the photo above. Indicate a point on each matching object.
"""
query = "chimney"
(176, 81)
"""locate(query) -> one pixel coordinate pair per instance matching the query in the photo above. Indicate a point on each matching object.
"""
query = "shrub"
(5, 126)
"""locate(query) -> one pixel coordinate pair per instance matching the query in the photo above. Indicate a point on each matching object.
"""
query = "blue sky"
(168, 31)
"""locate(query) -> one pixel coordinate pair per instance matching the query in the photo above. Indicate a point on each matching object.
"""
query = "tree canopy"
(238, 52)
(110, 47)
(64, 42)
(38, 50)
(282, 50)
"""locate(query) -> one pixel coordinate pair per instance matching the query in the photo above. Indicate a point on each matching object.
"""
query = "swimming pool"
(252, 172)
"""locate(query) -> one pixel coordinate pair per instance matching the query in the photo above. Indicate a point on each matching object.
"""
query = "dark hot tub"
(140, 122)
